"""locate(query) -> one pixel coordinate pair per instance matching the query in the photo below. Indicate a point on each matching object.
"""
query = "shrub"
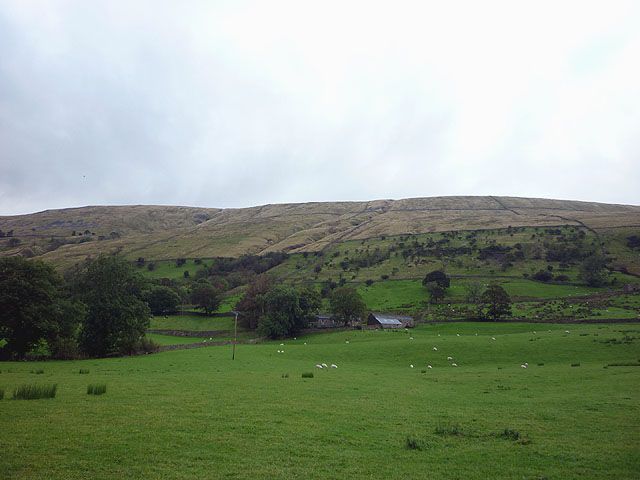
(34, 392)
(97, 389)
(412, 443)
(449, 430)
(307, 375)
(510, 434)
(146, 345)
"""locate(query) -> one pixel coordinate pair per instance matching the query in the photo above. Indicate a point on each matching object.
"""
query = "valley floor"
(573, 413)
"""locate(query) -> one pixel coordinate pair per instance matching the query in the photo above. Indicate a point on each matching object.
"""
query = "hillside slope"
(67, 236)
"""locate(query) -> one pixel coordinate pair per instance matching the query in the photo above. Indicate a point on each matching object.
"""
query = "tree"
(252, 305)
(287, 311)
(438, 277)
(496, 302)
(162, 299)
(117, 316)
(205, 296)
(347, 304)
(34, 307)
(593, 270)
(474, 292)
(436, 283)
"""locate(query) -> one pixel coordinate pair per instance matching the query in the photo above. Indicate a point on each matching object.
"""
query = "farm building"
(383, 320)
(323, 321)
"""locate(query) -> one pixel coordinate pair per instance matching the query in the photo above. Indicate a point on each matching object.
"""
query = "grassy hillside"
(572, 414)
(162, 233)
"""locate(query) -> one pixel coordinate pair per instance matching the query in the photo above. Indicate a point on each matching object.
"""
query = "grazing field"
(197, 414)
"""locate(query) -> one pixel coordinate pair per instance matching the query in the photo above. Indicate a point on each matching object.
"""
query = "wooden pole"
(235, 337)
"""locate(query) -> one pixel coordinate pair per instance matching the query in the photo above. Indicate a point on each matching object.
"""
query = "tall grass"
(35, 392)
(97, 389)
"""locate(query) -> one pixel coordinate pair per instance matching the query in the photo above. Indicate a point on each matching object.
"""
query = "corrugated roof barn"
(383, 320)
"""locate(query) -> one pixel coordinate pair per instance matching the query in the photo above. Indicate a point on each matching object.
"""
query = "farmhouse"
(383, 320)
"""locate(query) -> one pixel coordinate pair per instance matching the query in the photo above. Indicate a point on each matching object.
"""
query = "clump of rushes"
(449, 430)
(307, 375)
(35, 392)
(575, 364)
(1, 393)
(412, 443)
(83, 371)
(39, 371)
(97, 389)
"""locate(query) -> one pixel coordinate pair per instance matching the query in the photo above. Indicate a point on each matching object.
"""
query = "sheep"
(435, 349)
(429, 366)
(346, 341)
(449, 358)
(454, 364)
(493, 338)
(319, 366)
(324, 365)
(457, 334)
(523, 366)
(333, 365)
(410, 338)
(278, 351)
(566, 331)
(411, 365)
(282, 344)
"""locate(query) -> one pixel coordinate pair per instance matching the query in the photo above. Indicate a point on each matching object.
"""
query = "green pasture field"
(197, 323)
(191, 414)
(168, 269)
(173, 340)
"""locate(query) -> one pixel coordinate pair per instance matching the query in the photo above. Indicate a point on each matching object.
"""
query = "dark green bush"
(307, 375)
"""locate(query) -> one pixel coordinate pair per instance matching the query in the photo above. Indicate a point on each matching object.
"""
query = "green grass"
(194, 323)
(173, 340)
(168, 269)
(96, 389)
(198, 414)
(34, 392)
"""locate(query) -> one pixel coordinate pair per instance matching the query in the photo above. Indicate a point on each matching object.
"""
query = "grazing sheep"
(319, 366)
(493, 338)
(410, 338)
(566, 331)
(435, 349)
(325, 365)
(457, 334)
(454, 364)
(346, 341)
(333, 365)
(429, 366)
(411, 365)
(278, 351)
(523, 366)
(282, 344)
(449, 358)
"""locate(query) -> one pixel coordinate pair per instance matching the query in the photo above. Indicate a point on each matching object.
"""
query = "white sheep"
(346, 341)
(333, 365)
(325, 365)
(523, 366)
(435, 349)
(410, 338)
(454, 364)
(457, 334)
(411, 365)
(493, 338)
(429, 366)
(319, 366)
(449, 358)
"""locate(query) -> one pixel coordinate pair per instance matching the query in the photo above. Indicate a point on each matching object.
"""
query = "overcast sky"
(240, 103)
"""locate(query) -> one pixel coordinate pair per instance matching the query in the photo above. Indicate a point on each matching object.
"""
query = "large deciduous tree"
(287, 311)
(117, 315)
(593, 270)
(436, 283)
(33, 308)
(496, 302)
(347, 305)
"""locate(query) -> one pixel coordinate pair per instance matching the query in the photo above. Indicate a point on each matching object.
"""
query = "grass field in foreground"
(198, 414)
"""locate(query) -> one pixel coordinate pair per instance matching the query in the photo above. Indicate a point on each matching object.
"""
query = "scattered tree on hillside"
(205, 296)
(474, 292)
(347, 305)
(436, 283)
(593, 270)
(117, 316)
(33, 308)
(496, 302)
